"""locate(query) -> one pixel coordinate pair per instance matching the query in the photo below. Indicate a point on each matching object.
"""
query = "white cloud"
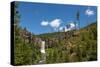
(89, 12)
(55, 23)
(72, 25)
(44, 23)
(67, 29)
(61, 28)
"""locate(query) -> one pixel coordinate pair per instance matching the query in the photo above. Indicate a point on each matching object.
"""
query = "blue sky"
(41, 18)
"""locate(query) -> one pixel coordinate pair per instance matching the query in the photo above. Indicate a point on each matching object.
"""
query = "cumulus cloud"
(72, 25)
(68, 27)
(55, 23)
(44, 23)
(61, 28)
(89, 12)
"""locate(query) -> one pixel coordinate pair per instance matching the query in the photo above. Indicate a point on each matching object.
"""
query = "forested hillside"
(71, 46)
(80, 45)
(60, 47)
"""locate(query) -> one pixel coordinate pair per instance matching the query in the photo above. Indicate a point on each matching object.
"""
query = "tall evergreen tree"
(77, 18)
(16, 14)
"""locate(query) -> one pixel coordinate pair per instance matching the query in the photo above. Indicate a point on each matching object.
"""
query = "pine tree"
(77, 18)
(16, 14)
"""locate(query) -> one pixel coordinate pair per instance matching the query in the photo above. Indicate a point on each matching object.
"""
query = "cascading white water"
(42, 47)
(43, 55)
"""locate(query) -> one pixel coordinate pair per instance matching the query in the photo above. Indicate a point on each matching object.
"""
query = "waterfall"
(43, 55)
(42, 47)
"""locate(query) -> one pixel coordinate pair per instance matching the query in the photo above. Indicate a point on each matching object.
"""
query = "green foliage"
(16, 14)
(24, 52)
(82, 47)
(61, 47)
